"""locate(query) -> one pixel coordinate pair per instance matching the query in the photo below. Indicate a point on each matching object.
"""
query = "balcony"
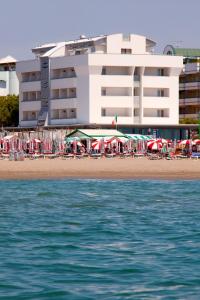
(63, 76)
(116, 71)
(62, 83)
(63, 73)
(32, 86)
(63, 121)
(31, 77)
(116, 91)
(119, 101)
(29, 123)
(189, 101)
(189, 85)
(63, 103)
(189, 116)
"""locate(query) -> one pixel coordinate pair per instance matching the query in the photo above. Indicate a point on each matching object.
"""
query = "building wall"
(9, 84)
(105, 85)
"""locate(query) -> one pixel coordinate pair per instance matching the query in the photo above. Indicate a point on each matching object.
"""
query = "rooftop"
(7, 60)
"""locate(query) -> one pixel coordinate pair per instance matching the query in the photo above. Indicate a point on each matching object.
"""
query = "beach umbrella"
(196, 142)
(184, 143)
(98, 145)
(115, 140)
(154, 145)
(137, 137)
(163, 141)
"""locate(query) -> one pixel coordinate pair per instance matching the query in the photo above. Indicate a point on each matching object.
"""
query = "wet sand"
(112, 168)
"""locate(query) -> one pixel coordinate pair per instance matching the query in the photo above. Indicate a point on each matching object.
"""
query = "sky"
(26, 24)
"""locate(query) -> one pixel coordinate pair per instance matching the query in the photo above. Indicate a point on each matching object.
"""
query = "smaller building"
(9, 84)
(189, 83)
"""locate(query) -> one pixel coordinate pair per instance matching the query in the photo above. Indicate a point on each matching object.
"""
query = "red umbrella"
(196, 142)
(154, 145)
(97, 145)
(184, 143)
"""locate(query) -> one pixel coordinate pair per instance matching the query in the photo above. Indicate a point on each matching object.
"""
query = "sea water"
(99, 239)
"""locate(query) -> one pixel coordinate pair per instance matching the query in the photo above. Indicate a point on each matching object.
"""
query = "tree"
(9, 110)
(188, 121)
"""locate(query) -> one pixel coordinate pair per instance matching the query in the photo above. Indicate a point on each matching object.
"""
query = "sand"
(113, 168)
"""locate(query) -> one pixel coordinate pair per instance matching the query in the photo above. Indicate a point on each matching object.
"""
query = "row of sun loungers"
(65, 156)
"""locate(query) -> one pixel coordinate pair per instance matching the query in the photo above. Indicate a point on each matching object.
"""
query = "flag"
(114, 121)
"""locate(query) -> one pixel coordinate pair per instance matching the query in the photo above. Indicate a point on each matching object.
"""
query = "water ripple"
(99, 239)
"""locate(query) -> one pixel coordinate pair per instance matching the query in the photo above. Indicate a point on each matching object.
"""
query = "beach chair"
(195, 155)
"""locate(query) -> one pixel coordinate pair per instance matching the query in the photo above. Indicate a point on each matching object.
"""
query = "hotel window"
(103, 92)
(126, 37)
(103, 71)
(126, 51)
(161, 72)
(103, 112)
(160, 113)
(2, 84)
(72, 113)
(160, 93)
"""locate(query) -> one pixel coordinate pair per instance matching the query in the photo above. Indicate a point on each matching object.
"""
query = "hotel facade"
(9, 84)
(189, 85)
(89, 81)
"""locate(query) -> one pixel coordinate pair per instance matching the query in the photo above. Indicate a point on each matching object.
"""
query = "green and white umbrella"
(139, 137)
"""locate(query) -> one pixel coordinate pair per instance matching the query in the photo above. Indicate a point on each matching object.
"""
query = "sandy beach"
(115, 168)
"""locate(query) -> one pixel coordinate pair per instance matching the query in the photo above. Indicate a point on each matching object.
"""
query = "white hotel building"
(90, 80)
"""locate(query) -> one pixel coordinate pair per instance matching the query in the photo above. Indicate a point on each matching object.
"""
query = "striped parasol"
(137, 137)
(154, 145)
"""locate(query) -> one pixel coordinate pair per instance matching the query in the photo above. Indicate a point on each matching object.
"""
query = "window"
(126, 37)
(126, 51)
(160, 72)
(160, 93)
(2, 84)
(72, 113)
(103, 71)
(103, 112)
(103, 92)
(160, 113)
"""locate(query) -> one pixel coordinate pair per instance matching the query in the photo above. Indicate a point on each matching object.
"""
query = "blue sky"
(28, 23)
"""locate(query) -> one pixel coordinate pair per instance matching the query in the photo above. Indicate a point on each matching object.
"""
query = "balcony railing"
(62, 76)
(63, 97)
(31, 79)
(32, 99)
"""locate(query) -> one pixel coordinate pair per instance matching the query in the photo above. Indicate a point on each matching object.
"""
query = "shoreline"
(112, 168)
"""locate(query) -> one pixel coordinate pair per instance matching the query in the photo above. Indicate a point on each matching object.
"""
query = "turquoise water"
(99, 239)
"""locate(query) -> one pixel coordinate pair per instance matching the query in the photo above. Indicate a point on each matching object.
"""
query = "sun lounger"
(110, 155)
(154, 157)
(95, 155)
(195, 155)
(138, 155)
(181, 156)
(68, 156)
(79, 156)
